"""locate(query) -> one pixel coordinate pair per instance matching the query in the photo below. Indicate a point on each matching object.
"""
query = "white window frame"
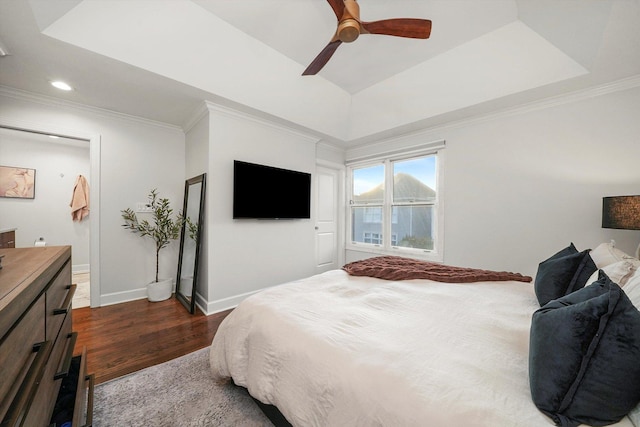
(386, 248)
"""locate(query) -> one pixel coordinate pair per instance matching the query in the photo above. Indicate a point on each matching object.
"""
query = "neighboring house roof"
(406, 189)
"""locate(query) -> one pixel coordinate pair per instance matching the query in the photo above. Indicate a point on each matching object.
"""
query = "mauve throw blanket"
(399, 268)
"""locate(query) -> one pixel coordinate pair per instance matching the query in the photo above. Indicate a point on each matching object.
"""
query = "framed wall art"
(19, 183)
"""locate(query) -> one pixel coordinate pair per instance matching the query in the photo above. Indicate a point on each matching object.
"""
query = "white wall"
(247, 255)
(197, 163)
(136, 156)
(48, 215)
(521, 185)
(518, 186)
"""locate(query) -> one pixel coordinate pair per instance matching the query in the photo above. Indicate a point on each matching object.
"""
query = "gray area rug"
(180, 392)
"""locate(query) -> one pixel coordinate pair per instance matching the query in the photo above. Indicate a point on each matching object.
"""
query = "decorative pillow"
(632, 289)
(619, 272)
(583, 356)
(605, 254)
(564, 272)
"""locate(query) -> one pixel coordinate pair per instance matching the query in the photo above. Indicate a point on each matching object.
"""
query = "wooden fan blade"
(322, 58)
(399, 27)
(338, 7)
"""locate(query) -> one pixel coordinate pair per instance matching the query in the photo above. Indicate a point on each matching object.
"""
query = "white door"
(327, 219)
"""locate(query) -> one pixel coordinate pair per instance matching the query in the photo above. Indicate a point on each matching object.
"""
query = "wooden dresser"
(8, 238)
(36, 338)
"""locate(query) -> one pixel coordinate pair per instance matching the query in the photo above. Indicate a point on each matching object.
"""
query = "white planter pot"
(159, 291)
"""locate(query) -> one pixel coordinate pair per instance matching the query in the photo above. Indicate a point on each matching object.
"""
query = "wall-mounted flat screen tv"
(267, 192)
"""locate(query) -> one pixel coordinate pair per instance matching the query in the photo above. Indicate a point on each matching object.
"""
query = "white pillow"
(605, 254)
(634, 415)
(632, 289)
(619, 272)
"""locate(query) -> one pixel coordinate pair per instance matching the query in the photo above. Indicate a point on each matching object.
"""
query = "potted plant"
(163, 229)
(186, 281)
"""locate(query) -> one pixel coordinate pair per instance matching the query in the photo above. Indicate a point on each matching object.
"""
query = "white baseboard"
(207, 308)
(217, 306)
(125, 296)
(80, 268)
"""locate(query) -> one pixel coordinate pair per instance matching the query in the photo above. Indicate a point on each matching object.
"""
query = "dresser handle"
(66, 304)
(66, 364)
(27, 391)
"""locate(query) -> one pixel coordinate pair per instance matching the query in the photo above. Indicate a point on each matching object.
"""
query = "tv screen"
(266, 192)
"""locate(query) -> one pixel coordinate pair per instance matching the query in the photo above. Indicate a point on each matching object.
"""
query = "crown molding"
(330, 147)
(51, 101)
(548, 102)
(230, 112)
(198, 114)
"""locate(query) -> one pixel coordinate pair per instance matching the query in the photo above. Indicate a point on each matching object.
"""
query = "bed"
(339, 349)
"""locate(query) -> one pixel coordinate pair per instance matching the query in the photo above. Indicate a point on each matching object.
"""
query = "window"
(373, 215)
(372, 238)
(394, 206)
(377, 238)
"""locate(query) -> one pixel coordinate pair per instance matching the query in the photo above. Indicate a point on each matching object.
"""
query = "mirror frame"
(190, 302)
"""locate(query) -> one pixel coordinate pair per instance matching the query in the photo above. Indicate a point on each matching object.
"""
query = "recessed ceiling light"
(61, 85)
(54, 136)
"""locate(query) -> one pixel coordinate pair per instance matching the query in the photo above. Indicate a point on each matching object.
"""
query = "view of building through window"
(407, 215)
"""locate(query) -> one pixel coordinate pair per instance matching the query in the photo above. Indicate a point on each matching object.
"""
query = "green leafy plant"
(192, 227)
(163, 229)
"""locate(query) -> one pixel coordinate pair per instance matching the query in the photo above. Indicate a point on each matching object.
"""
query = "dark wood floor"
(125, 338)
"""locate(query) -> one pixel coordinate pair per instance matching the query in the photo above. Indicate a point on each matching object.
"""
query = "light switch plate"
(143, 207)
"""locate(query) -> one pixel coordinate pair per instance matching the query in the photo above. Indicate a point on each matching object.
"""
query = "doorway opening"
(59, 158)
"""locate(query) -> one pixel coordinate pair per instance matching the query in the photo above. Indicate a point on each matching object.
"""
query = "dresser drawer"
(17, 353)
(57, 368)
(83, 408)
(59, 297)
(36, 343)
(75, 399)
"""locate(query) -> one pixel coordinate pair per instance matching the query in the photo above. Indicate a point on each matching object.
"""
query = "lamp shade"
(622, 212)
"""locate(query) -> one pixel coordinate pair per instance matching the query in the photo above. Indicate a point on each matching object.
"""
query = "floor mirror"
(191, 241)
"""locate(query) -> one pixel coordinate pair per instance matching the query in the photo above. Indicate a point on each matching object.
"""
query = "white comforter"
(337, 350)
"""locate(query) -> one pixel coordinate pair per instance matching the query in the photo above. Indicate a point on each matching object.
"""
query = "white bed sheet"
(338, 350)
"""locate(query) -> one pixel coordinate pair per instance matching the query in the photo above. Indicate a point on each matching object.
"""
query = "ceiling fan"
(350, 27)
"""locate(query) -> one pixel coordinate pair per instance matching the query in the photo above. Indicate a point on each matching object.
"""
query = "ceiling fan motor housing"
(350, 27)
(348, 30)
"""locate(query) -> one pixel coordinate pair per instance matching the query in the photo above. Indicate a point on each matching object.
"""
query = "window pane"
(368, 185)
(372, 215)
(414, 180)
(364, 231)
(414, 228)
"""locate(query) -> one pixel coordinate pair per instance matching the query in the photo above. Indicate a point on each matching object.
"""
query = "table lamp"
(621, 212)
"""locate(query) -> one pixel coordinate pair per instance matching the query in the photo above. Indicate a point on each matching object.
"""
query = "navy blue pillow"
(584, 356)
(563, 273)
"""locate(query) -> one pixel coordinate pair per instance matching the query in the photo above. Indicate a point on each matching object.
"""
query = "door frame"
(94, 190)
(340, 207)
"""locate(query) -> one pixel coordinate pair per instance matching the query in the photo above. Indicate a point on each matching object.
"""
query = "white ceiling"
(160, 59)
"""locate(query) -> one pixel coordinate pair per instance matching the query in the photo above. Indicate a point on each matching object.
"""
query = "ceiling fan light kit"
(350, 27)
(348, 30)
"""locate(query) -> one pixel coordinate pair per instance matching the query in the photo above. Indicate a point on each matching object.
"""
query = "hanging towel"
(80, 200)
